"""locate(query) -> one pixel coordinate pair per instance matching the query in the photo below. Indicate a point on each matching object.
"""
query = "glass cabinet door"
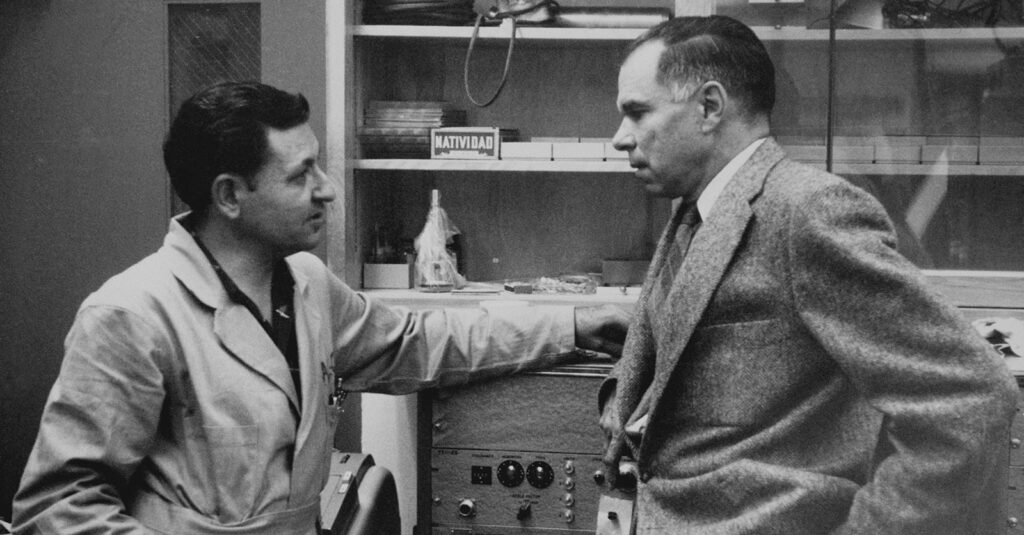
(930, 121)
(920, 103)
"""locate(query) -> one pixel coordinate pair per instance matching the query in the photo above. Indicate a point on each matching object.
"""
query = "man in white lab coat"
(197, 392)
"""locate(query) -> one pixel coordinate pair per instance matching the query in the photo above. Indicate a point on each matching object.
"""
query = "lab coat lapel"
(244, 338)
(315, 370)
(317, 378)
(238, 331)
(712, 249)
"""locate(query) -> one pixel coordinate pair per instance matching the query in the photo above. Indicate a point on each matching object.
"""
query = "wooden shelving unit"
(954, 39)
(511, 205)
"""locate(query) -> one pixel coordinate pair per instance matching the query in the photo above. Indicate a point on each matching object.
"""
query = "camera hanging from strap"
(533, 11)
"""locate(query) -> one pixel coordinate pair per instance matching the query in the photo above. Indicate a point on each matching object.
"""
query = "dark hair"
(223, 129)
(716, 48)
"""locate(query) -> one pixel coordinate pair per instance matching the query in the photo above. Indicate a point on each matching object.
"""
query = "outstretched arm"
(602, 328)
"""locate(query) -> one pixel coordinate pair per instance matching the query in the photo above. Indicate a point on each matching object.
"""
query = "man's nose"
(324, 191)
(623, 139)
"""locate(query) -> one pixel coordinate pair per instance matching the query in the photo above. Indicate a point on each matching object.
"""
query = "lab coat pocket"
(232, 451)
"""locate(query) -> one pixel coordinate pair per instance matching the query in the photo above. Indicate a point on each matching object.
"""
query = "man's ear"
(713, 99)
(224, 194)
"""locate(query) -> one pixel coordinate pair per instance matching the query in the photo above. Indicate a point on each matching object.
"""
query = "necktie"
(688, 220)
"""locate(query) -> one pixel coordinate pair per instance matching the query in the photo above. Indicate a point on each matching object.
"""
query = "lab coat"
(174, 411)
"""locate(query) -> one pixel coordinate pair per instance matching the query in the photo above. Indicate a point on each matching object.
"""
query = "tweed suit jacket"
(804, 378)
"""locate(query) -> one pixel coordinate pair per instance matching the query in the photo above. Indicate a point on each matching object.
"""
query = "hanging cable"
(496, 14)
(504, 73)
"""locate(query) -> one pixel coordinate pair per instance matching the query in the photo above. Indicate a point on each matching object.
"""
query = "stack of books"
(428, 12)
(401, 129)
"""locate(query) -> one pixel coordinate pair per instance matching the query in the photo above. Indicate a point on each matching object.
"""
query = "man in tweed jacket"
(794, 374)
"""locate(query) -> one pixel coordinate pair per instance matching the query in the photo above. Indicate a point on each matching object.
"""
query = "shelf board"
(927, 169)
(929, 34)
(547, 33)
(416, 299)
(574, 166)
(538, 33)
(980, 289)
(582, 166)
(989, 290)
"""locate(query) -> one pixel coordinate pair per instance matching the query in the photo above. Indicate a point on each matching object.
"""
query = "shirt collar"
(714, 188)
(281, 287)
(191, 266)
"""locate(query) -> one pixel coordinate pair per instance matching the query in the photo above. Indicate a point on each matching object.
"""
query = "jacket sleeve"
(946, 397)
(397, 351)
(97, 425)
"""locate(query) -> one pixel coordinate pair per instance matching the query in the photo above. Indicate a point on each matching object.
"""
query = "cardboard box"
(465, 143)
(554, 139)
(519, 287)
(577, 151)
(388, 275)
(525, 150)
(961, 154)
(800, 140)
(853, 153)
(910, 154)
(1002, 141)
(805, 153)
(882, 141)
(853, 141)
(960, 141)
(1001, 155)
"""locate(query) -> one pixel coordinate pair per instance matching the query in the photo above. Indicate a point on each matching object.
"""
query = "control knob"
(510, 473)
(540, 474)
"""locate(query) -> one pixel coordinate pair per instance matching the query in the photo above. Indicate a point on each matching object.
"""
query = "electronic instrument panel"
(522, 455)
